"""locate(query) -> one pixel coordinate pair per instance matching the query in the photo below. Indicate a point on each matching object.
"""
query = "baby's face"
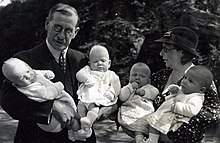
(140, 76)
(191, 83)
(99, 60)
(24, 75)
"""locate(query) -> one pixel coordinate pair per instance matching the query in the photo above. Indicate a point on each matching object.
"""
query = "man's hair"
(63, 9)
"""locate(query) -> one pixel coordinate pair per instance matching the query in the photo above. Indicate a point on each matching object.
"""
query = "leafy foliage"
(127, 28)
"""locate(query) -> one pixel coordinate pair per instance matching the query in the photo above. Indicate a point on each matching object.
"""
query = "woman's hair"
(187, 56)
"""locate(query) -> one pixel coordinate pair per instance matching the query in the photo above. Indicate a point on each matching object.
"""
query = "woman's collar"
(189, 67)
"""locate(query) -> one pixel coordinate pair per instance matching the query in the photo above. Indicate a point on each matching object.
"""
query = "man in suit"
(61, 26)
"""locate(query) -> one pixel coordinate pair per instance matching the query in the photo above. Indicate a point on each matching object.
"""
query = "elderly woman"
(179, 50)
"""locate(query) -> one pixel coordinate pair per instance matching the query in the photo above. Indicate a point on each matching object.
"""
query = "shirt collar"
(55, 53)
(189, 67)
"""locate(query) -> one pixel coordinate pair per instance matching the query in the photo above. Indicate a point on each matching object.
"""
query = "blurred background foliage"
(127, 28)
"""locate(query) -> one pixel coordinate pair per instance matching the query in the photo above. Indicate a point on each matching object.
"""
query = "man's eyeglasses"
(58, 28)
(166, 49)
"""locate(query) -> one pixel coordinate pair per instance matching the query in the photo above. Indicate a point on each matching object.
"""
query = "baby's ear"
(203, 89)
(149, 80)
(109, 64)
(14, 84)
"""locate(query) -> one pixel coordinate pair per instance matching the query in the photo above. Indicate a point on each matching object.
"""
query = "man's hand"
(105, 112)
(109, 95)
(63, 112)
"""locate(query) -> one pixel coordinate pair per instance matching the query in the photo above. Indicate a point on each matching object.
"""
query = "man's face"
(61, 30)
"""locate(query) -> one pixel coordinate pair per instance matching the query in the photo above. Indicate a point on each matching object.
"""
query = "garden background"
(127, 28)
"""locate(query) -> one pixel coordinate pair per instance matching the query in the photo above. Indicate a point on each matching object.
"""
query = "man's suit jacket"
(27, 111)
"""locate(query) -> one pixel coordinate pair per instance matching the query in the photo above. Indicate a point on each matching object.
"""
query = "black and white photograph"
(110, 71)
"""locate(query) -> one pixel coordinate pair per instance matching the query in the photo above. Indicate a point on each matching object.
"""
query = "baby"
(36, 85)
(137, 102)
(183, 103)
(99, 87)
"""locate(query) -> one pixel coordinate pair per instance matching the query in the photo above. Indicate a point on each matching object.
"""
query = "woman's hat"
(183, 37)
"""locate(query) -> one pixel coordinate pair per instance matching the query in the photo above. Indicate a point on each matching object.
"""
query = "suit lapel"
(71, 63)
(46, 56)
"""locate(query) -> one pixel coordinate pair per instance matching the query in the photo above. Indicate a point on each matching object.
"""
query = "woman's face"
(171, 56)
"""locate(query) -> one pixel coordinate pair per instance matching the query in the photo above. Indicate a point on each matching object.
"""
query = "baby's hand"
(140, 92)
(90, 81)
(134, 85)
(109, 95)
(49, 74)
(174, 89)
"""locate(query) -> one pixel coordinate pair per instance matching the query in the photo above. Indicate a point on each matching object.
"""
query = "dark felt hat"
(183, 37)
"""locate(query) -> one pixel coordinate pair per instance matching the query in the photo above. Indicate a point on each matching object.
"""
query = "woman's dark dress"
(207, 117)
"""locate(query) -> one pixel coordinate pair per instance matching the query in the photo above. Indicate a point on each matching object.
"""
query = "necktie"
(62, 61)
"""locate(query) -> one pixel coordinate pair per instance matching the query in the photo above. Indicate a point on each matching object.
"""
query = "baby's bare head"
(13, 69)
